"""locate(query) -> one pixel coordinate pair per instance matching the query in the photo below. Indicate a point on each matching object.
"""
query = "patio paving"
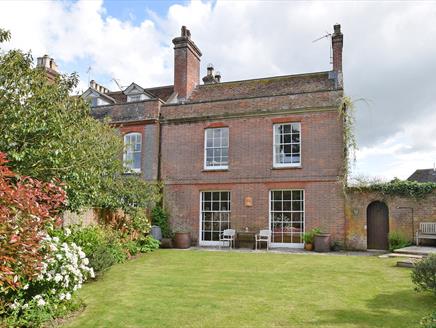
(417, 250)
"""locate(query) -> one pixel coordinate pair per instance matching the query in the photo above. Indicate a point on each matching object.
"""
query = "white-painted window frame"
(287, 245)
(215, 167)
(128, 166)
(202, 242)
(286, 165)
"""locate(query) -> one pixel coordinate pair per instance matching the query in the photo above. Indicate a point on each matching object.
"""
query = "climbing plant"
(346, 111)
(396, 187)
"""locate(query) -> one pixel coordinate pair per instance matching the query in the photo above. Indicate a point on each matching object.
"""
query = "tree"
(48, 134)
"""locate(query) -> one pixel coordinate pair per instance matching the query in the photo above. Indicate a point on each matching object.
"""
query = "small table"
(245, 239)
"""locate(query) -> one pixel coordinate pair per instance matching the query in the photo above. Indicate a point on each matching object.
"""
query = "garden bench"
(427, 230)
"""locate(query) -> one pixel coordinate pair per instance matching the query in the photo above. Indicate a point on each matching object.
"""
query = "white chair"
(228, 235)
(263, 236)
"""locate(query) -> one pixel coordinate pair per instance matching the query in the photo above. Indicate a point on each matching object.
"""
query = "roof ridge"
(276, 77)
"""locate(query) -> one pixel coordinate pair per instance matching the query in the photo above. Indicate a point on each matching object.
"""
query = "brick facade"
(173, 126)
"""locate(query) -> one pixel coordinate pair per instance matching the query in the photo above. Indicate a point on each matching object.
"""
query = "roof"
(264, 87)
(91, 91)
(163, 93)
(427, 175)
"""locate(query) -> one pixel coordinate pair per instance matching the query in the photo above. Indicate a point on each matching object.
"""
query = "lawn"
(176, 288)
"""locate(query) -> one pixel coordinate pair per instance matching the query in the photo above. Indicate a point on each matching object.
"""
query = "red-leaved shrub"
(27, 208)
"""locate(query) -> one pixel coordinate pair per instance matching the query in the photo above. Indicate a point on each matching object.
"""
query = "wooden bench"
(427, 230)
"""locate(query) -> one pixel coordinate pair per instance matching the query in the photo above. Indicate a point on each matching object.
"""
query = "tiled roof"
(428, 175)
(162, 92)
(274, 86)
(159, 92)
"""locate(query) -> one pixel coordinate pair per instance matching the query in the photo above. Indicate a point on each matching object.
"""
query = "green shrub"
(148, 244)
(160, 218)
(102, 246)
(132, 247)
(429, 321)
(398, 240)
(101, 259)
(424, 274)
(35, 316)
(88, 238)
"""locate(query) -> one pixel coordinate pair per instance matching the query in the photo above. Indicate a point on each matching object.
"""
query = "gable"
(96, 98)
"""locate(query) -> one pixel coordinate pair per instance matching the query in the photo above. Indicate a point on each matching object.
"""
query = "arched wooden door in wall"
(377, 223)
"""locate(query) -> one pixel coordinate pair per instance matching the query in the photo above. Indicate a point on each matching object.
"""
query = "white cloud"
(389, 55)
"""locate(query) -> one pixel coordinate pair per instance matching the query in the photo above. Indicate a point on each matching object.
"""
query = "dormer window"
(138, 97)
(97, 101)
(135, 93)
(96, 98)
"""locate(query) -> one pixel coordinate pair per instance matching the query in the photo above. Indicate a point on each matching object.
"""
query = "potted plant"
(308, 238)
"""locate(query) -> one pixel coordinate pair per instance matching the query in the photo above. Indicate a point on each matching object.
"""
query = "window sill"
(215, 170)
(132, 173)
(287, 167)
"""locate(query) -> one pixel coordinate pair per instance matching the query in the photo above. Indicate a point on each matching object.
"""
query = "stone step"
(402, 255)
(407, 263)
(416, 250)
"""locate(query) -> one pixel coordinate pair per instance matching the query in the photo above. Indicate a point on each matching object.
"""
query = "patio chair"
(228, 235)
(263, 236)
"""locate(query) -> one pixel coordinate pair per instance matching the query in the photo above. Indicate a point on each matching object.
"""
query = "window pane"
(287, 216)
(297, 195)
(137, 161)
(277, 195)
(295, 127)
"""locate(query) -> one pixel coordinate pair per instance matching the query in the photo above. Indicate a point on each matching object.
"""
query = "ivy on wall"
(346, 113)
(396, 187)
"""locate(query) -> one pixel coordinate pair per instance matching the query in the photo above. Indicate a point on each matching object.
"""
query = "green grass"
(172, 288)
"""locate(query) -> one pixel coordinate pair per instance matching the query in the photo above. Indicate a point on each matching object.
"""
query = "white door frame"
(286, 245)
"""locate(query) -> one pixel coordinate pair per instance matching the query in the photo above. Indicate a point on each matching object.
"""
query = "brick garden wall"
(399, 219)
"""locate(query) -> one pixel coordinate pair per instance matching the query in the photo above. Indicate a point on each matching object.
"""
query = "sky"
(389, 56)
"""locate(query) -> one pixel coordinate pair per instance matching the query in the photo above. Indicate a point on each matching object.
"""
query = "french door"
(214, 216)
(286, 218)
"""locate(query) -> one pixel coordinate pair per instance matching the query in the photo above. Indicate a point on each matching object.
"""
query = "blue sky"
(389, 54)
(137, 10)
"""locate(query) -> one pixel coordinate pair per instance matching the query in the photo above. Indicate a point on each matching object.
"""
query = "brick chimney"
(186, 65)
(49, 66)
(337, 45)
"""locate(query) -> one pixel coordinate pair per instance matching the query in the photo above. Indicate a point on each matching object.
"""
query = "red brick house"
(252, 154)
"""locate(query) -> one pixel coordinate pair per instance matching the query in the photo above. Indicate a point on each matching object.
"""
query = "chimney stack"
(337, 45)
(186, 65)
(49, 66)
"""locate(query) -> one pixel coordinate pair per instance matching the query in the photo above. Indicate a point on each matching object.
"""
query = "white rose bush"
(63, 271)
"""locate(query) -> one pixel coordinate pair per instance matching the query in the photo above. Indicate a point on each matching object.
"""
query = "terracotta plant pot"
(308, 246)
(182, 240)
(322, 242)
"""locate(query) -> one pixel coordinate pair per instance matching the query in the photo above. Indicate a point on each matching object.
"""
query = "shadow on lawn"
(398, 309)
